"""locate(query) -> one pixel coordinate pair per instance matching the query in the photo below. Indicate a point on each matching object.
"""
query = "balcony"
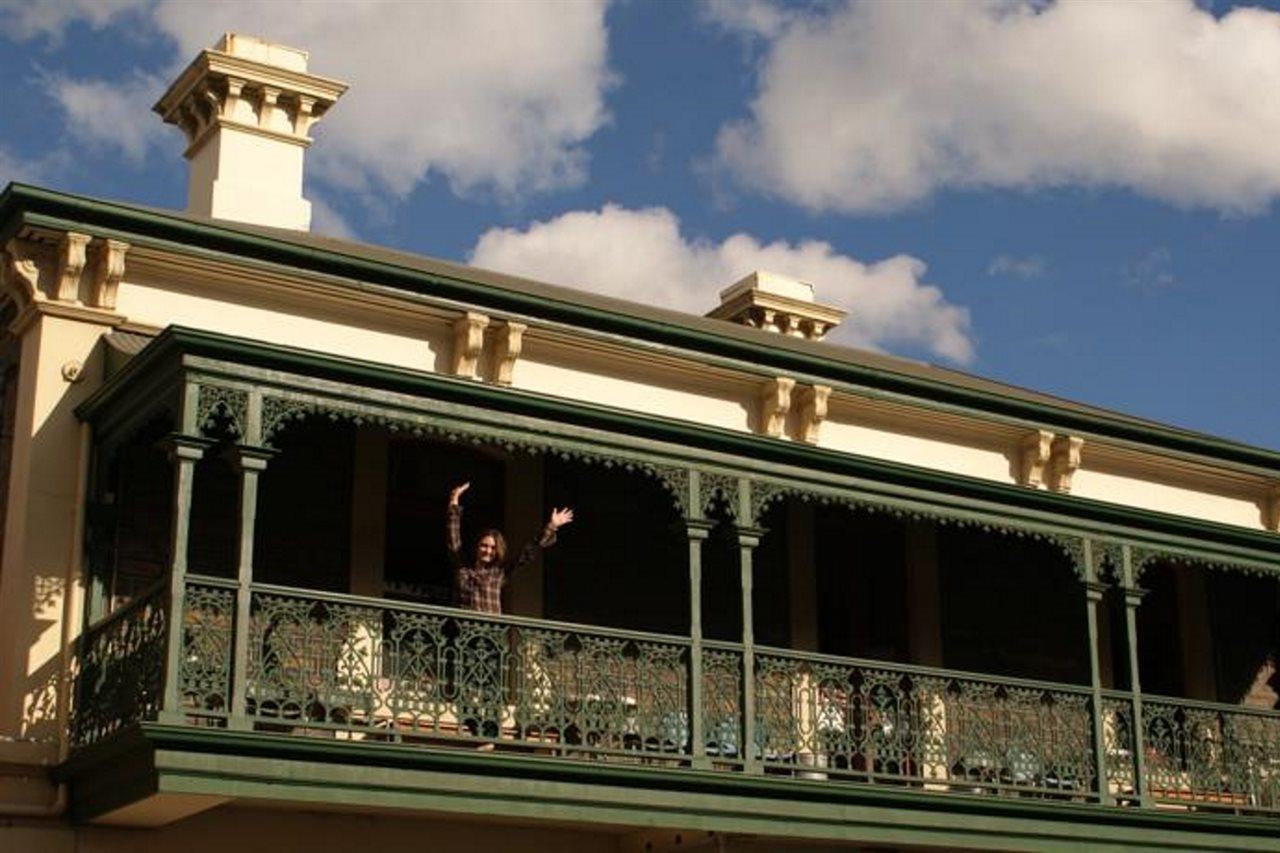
(710, 660)
(366, 670)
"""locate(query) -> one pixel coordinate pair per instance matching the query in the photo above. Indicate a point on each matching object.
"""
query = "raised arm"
(559, 518)
(453, 525)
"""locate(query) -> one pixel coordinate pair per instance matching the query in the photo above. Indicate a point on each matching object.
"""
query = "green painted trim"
(964, 496)
(335, 773)
(22, 204)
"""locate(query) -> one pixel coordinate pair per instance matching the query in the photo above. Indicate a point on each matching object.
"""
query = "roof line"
(21, 203)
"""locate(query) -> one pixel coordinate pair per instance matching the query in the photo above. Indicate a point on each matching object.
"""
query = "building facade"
(814, 596)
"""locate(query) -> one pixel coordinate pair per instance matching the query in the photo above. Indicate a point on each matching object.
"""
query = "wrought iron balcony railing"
(311, 663)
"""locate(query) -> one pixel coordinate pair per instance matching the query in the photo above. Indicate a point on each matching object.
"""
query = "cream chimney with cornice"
(777, 303)
(246, 107)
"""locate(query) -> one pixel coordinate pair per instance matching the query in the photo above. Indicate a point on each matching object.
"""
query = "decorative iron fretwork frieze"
(280, 410)
(720, 490)
(219, 406)
(1145, 556)
(765, 493)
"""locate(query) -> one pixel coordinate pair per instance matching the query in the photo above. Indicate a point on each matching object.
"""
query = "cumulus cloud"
(873, 106)
(25, 19)
(17, 168)
(328, 221)
(642, 255)
(1152, 272)
(113, 114)
(494, 95)
(1031, 266)
(497, 96)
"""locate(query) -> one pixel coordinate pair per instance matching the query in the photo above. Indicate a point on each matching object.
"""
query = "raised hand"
(457, 491)
(560, 517)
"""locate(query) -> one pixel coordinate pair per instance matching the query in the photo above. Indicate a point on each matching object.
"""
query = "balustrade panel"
(370, 669)
(119, 669)
(204, 675)
(906, 725)
(1212, 756)
(375, 669)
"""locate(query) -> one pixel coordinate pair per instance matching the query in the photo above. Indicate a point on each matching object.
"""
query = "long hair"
(499, 546)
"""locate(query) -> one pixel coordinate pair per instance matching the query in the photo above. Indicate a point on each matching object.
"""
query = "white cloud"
(496, 96)
(116, 114)
(748, 17)
(16, 168)
(28, 19)
(642, 255)
(1031, 266)
(872, 106)
(1150, 273)
(327, 221)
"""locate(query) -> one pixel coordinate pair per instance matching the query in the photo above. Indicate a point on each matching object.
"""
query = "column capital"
(1094, 590)
(1133, 595)
(181, 446)
(698, 528)
(249, 458)
(750, 536)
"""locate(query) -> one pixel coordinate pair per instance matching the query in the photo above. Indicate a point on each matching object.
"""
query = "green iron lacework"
(390, 671)
(215, 402)
(765, 493)
(279, 411)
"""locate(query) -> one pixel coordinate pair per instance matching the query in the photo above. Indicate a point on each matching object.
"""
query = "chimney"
(246, 106)
(776, 303)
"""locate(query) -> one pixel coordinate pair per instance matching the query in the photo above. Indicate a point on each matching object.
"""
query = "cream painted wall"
(156, 305)
(1163, 497)
(636, 384)
(683, 397)
(40, 584)
(925, 452)
(248, 177)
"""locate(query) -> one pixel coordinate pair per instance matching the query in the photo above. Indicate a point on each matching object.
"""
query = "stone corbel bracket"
(20, 275)
(1271, 509)
(1033, 455)
(1064, 460)
(468, 344)
(71, 261)
(106, 259)
(77, 270)
(775, 404)
(508, 339)
(811, 409)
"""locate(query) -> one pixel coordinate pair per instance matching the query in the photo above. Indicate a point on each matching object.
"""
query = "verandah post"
(1132, 598)
(1094, 590)
(184, 451)
(748, 538)
(251, 462)
(697, 529)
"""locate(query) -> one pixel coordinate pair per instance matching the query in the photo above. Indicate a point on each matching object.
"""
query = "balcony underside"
(152, 774)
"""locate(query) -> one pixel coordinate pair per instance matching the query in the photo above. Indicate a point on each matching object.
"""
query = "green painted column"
(748, 539)
(184, 451)
(1132, 598)
(697, 531)
(1094, 589)
(251, 462)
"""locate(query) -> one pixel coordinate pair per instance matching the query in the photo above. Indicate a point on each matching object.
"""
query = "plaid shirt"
(480, 587)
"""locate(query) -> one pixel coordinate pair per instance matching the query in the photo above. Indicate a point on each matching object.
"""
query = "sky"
(1075, 197)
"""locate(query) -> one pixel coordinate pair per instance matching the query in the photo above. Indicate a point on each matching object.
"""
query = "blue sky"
(1078, 198)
